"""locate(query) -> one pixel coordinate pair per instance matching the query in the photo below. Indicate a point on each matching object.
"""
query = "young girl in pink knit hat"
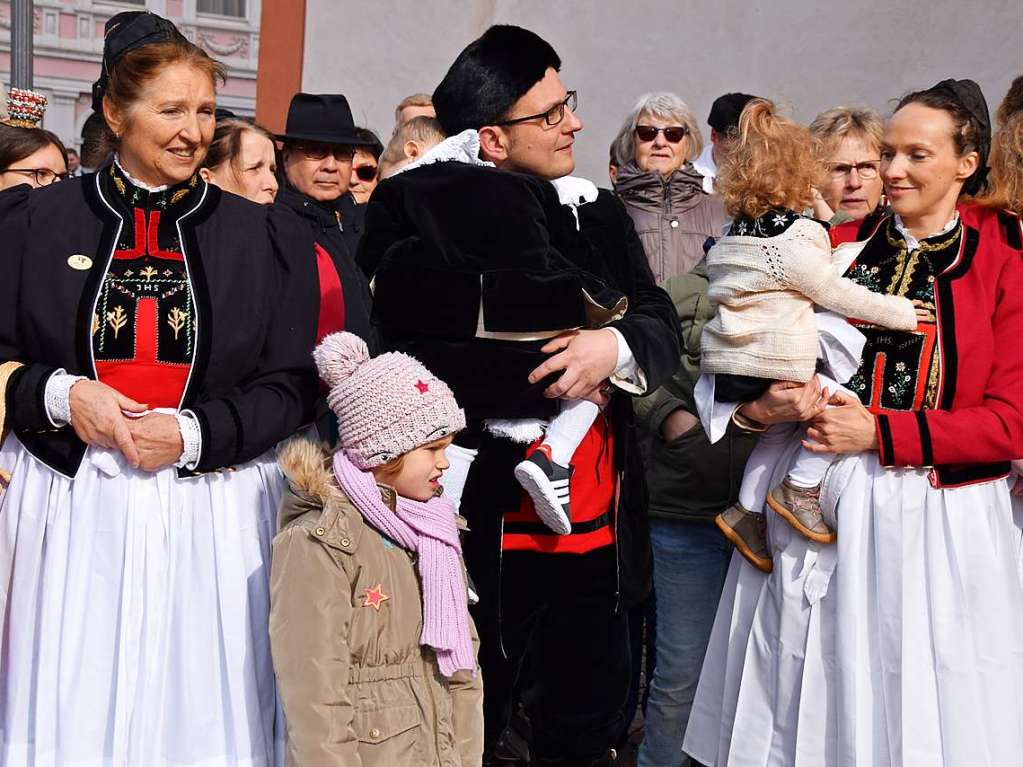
(372, 643)
(766, 276)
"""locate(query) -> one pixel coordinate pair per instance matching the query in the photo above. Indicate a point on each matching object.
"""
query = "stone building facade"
(68, 44)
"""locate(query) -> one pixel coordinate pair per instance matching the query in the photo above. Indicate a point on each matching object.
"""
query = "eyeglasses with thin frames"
(552, 116)
(42, 176)
(865, 170)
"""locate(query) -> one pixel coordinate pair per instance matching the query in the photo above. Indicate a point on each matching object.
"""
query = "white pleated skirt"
(902, 644)
(135, 613)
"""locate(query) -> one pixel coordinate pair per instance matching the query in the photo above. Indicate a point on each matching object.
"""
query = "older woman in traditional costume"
(155, 350)
(903, 643)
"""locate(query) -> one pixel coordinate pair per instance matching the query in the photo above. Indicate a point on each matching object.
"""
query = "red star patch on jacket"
(423, 387)
(375, 597)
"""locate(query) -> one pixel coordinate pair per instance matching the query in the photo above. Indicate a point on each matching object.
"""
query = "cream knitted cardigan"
(765, 288)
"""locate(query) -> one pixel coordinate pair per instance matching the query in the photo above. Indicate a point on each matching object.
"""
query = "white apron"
(135, 615)
(902, 644)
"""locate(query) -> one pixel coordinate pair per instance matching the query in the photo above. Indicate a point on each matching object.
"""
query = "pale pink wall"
(174, 8)
(51, 67)
(68, 26)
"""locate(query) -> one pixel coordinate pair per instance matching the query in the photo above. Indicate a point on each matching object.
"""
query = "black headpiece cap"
(970, 97)
(125, 32)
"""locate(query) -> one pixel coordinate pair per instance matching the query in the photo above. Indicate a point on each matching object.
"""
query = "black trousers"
(565, 650)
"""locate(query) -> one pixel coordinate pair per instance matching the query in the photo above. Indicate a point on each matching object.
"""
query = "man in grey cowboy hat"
(319, 142)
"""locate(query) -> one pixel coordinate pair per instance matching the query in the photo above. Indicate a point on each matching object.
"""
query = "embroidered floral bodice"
(901, 369)
(143, 329)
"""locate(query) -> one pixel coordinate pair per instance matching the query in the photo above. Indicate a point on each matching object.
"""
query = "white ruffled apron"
(902, 644)
(135, 613)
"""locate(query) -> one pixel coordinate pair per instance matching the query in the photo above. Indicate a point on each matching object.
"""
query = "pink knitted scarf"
(429, 530)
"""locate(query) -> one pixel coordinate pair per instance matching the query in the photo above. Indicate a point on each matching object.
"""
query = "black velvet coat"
(475, 239)
(252, 382)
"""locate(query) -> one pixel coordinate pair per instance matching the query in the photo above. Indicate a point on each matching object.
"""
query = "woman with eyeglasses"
(365, 173)
(852, 188)
(902, 644)
(32, 156)
(661, 190)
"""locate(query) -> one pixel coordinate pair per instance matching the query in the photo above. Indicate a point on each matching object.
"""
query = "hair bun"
(338, 356)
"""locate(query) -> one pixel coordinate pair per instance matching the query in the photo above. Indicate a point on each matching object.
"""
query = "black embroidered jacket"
(241, 316)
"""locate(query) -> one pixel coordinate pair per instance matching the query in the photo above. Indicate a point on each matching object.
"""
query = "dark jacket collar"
(126, 194)
(650, 190)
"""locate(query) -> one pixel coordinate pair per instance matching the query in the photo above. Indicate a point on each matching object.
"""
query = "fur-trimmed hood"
(306, 464)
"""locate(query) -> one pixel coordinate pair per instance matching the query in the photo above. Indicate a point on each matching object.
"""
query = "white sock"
(567, 429)
(809, 469)
(453, 480)
(761, 464)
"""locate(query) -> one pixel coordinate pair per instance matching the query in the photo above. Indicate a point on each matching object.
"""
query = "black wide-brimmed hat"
(322, 117)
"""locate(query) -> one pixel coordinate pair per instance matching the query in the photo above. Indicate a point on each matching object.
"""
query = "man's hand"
(677, 423)
(97, 417)
(786, 401)
(587, 357)
(158, 439)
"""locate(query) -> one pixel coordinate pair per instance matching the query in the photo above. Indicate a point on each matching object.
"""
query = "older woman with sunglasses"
(689, 479)
(661, 190)
(30, 156)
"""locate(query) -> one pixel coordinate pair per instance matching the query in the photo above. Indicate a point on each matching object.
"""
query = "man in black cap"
(319, 143)
(557, 603)
(723, 121)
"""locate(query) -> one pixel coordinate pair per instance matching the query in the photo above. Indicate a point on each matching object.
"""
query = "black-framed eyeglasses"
(865, 170)
(673, 133)
(42, 176)
(552, 116)
(341, 152)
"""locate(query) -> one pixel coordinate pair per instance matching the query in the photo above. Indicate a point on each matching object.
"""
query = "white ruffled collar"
(462, 147)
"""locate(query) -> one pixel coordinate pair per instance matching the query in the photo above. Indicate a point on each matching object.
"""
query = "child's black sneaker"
(547, 483)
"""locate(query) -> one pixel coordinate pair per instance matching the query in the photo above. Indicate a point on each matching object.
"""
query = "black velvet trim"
(954, 476)
(870, 224)
(926, 446)
(538, 528)
(971, 238)
(887, 445)
(200, 293)
(239, 430)
(94, 282)
(950, 357)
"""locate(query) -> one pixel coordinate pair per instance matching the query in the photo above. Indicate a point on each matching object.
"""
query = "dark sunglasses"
(673, 134)
(366, 172)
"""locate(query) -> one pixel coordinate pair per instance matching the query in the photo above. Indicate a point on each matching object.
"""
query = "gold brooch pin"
(79, 262)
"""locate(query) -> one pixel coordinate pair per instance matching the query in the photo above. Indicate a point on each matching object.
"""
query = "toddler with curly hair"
(766, 276)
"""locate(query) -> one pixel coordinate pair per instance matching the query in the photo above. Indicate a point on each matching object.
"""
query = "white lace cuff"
(627, 375)
(58, 397)
(191, 439)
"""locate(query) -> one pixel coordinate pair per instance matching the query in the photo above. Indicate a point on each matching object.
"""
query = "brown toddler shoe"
(748, 532)
(801, 508)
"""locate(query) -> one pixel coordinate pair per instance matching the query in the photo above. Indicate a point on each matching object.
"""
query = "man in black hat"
(557, 603)
(723, 121)
(318, 146)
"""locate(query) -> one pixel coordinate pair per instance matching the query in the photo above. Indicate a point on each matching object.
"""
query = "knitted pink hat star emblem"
(423, 388)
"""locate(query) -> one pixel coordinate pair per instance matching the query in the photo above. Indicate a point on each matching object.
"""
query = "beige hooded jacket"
(346, 616)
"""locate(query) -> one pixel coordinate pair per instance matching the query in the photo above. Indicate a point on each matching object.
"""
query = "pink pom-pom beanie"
(385, 406)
